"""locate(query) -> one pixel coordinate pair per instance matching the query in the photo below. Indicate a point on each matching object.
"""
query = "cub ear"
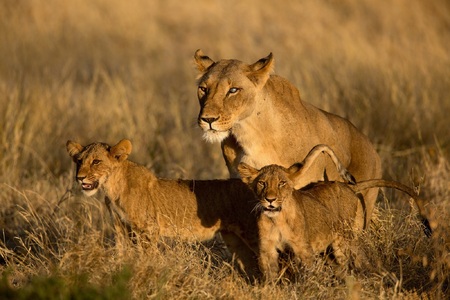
(202, 61)
(121, 150)
(260, 70)
(248, 173)
(295, 168)
(73, 148)
(295, 171)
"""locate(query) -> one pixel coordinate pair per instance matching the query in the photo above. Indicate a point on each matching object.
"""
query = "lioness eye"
(96, 162)
(203, 89)
(233, 90)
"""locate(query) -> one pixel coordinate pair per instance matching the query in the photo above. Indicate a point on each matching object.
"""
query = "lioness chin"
(260, 120)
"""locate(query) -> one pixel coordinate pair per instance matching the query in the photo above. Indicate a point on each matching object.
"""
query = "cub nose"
(80, 179)
(270, 199)
(209, 120)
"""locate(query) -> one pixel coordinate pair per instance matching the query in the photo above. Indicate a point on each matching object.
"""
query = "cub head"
(272, 185)
(96, 162)
(226, 92)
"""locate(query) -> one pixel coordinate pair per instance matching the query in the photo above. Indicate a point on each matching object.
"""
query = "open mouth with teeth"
(89, 186)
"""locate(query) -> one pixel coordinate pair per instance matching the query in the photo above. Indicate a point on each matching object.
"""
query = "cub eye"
(261, 184)
(233, 90)
(79, 161)
(282, 183)
(96, 161)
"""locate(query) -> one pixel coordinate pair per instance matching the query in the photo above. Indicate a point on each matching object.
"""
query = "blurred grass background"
(98, 70)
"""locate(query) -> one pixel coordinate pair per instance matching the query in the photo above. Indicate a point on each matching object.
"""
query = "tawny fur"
(194, 210)
(260, 120)
(310, 220)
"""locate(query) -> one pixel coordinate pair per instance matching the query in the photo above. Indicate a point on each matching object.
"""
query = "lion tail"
(367, 184)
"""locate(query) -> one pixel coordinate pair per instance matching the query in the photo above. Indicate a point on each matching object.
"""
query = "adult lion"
(260, 120)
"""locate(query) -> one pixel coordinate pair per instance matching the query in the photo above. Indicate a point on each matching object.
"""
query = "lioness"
(310, 220)
(260, 120)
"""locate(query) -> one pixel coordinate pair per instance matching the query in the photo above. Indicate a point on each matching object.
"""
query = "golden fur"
(260, 120)
(192, 209)
(310, 220)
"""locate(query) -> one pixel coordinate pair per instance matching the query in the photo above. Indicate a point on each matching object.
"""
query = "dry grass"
(102, 70)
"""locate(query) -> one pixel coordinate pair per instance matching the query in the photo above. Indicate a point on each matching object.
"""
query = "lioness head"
(95, 162)
(271, 184)
(226, 92)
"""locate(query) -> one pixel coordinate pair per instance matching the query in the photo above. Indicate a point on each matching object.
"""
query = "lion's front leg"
(122, 228)
(232, 154)
(268, 260)
(303, 251)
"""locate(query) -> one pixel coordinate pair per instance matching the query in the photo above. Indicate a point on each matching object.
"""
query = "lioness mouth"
(89, 186)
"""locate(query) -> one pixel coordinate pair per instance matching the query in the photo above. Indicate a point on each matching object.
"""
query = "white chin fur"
(271, 214)
(90, 193)
(213, 136)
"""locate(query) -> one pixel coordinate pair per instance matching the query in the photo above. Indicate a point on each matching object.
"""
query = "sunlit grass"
(106, 70)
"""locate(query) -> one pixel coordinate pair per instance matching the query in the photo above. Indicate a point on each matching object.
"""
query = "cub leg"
(341, 251)
(268, 263)
(303, 253)
(244, 255)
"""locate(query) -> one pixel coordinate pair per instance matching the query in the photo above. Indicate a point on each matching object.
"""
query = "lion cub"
(194, 210)
(305, 221)
(310, 220)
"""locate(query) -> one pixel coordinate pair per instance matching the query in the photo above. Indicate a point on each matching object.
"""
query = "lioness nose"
(210, 120)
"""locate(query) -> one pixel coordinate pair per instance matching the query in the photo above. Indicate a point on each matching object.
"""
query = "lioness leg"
(366, 169)
(232, 153)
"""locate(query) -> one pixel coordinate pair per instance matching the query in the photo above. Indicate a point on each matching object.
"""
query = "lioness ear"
(260, 70)
(121, 150)
(202, 61)
(73, 148)
(248, 173)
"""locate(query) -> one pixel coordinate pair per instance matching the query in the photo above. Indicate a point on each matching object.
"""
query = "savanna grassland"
(103, 70)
